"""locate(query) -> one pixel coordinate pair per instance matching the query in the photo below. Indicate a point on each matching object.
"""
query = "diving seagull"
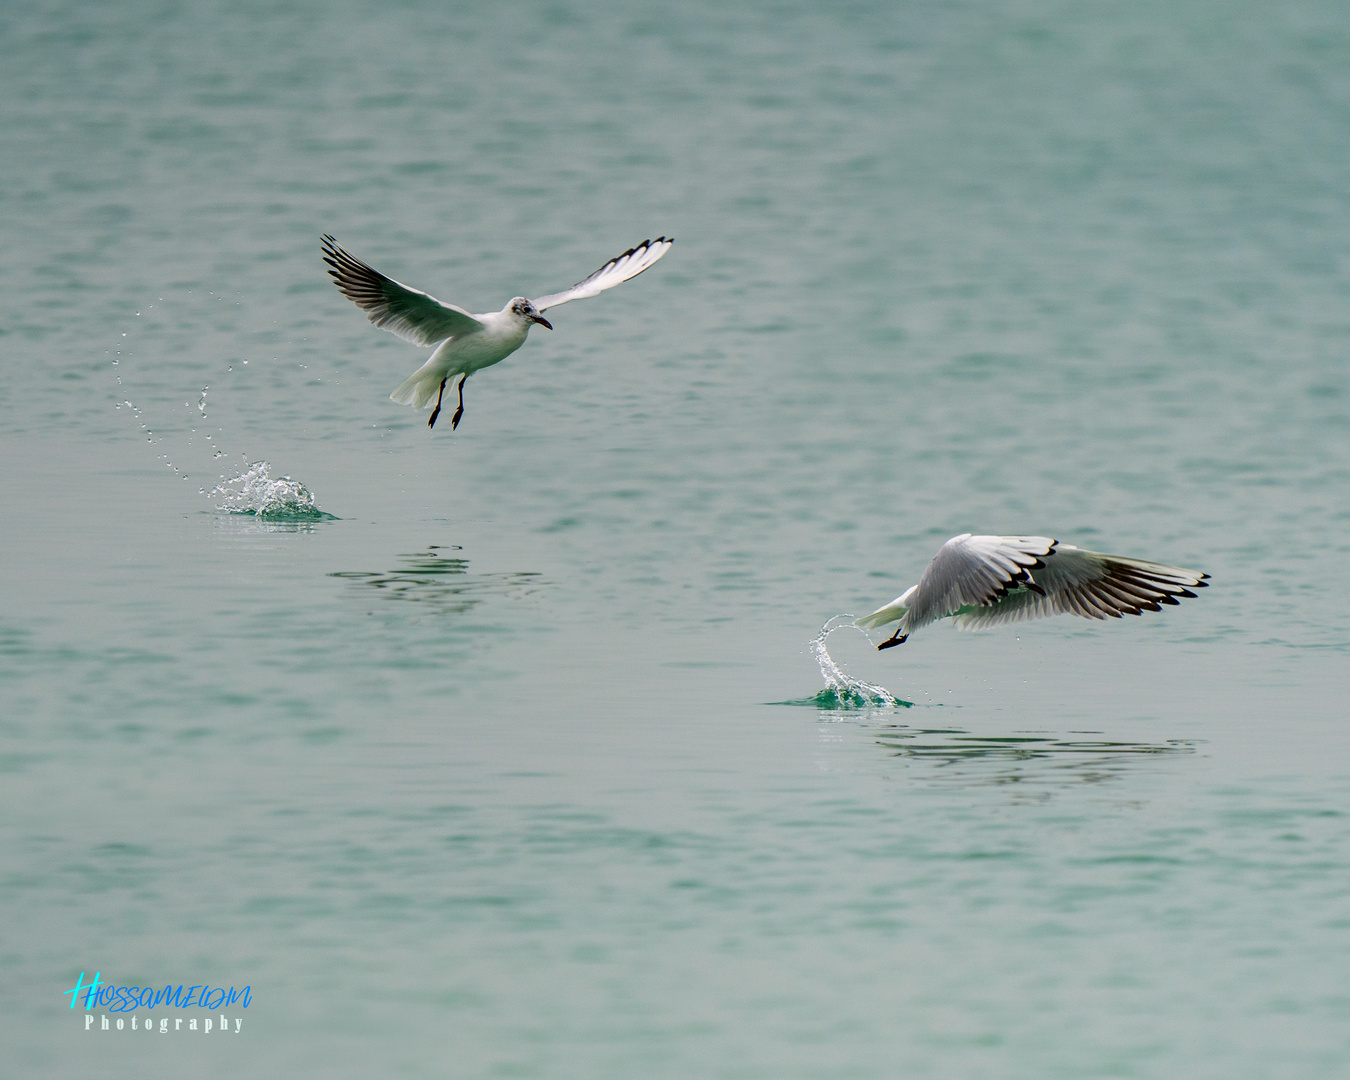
(983, 580)
(464, 343)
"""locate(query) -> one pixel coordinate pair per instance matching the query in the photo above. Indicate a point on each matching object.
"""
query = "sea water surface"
(502, 751)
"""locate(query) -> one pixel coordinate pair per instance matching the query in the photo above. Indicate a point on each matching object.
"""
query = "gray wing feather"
(1074, 581)
(412, 315)
(974, 571)
(619, 269)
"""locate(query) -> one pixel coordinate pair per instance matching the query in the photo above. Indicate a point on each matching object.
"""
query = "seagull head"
(525, 309)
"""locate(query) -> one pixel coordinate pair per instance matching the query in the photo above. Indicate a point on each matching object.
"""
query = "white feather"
(984, 580)
(464, 343)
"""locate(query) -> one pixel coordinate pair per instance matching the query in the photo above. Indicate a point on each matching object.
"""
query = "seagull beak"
(542, 321)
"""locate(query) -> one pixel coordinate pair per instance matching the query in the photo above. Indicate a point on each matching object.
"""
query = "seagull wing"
(1089, 584)
(967, 572)
(974, 571)
(414, 316)
(615, 272)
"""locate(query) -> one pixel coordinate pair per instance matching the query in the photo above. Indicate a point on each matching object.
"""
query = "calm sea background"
(483, 774)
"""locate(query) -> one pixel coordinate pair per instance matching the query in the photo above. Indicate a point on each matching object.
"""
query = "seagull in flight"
(983, 580)
(464, 343)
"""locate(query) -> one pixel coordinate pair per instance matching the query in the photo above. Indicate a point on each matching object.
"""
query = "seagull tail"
(418, 390)
(889, 614)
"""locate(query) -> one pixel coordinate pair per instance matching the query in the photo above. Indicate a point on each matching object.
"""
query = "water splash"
(123, 402)
(255, 492)
(842, 691)
(189, 443)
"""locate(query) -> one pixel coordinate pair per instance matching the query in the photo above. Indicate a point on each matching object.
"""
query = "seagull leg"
(895, 639)
(454, 420)
(437, 410)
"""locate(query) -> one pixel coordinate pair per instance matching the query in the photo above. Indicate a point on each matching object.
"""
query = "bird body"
(984, 580)
(465, 343)
(499, 334)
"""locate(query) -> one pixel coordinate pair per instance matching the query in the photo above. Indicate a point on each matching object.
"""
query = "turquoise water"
(509, 755)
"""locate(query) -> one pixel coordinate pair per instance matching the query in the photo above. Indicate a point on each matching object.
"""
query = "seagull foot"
(454, 422)
(894, 640)
(437, 410)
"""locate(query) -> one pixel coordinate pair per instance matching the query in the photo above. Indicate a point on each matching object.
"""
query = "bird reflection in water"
(1027, 758)
(440, 581)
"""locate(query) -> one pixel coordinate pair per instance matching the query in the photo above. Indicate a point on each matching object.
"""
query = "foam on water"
(255, 492)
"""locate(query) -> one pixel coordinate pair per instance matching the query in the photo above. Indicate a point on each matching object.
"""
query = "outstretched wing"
(414, 316)
(974, 571)
(1089, 584)
(615, 272)
(967, 572)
